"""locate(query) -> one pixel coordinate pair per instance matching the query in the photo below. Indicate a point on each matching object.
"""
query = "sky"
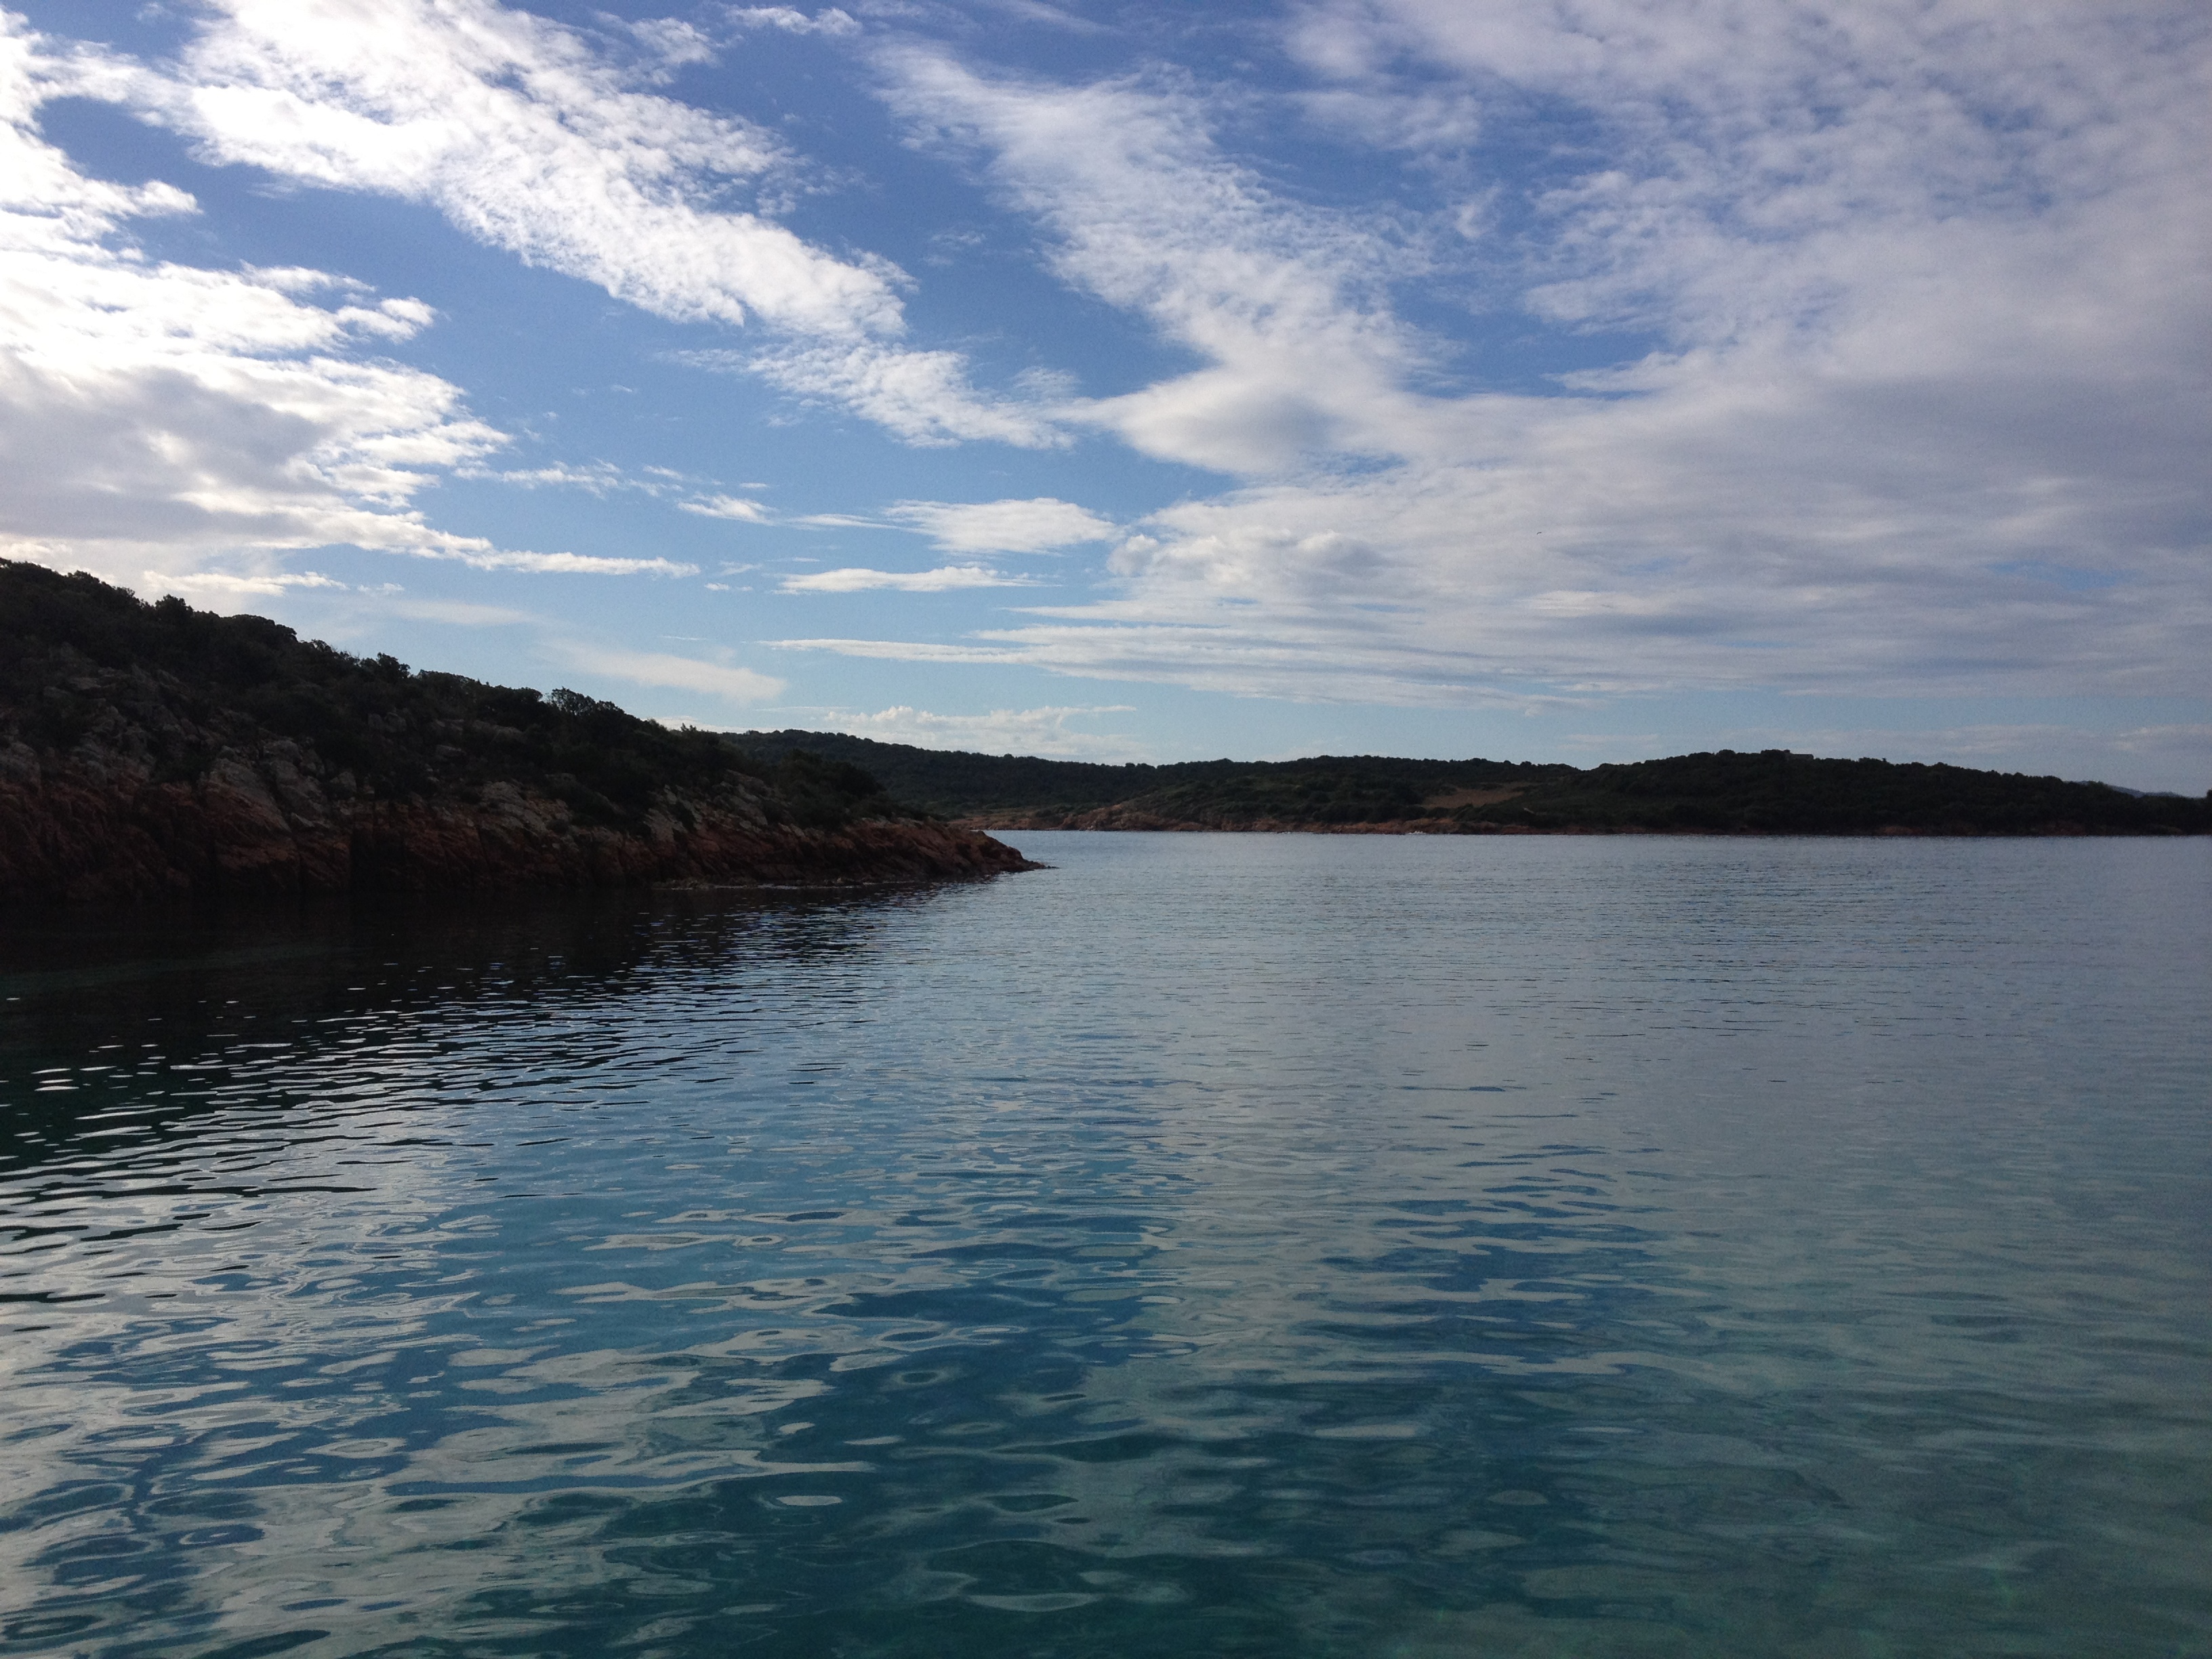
(1535, 379)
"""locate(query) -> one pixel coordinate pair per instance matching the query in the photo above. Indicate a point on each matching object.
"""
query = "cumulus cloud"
(528, 139)
(159, 419)
(944, 579)
(152, 413)
(1036, 526)
(1925, 287)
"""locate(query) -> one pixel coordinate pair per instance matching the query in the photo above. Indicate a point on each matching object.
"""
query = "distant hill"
(1219, 793)
(150, 750)
(1772, 792)
(1775, 792)
(155, 749)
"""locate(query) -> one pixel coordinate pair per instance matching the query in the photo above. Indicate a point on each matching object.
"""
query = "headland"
(152, 751)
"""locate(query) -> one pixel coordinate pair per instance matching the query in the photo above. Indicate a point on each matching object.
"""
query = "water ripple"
(1211, 1245)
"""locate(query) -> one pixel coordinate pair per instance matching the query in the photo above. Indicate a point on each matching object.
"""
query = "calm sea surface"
(1213, 1245)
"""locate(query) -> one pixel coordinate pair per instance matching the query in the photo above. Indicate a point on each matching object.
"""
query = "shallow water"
(1211, 1245)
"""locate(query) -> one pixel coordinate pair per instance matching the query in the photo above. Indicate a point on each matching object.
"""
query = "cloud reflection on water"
(1362, 1264)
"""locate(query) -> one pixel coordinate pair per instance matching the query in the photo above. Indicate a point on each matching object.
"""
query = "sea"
(1222, 1245)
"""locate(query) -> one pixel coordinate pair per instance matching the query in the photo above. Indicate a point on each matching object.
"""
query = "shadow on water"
(111, 1006)
(1112, 1267)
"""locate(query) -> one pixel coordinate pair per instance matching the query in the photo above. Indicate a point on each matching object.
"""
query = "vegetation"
(83, 663)
(1771, 792)
(957, 783)
(1325, 790)
(1777, 791)
(80, 658)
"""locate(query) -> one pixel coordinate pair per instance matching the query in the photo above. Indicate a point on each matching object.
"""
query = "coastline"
(1111, 821)
(266, 825)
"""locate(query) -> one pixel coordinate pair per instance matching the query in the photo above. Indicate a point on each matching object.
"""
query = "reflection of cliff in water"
(113, 1007)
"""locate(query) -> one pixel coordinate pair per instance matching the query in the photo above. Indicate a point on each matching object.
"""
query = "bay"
(1267, 1245)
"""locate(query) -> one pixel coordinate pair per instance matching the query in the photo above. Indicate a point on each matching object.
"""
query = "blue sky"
(1573, 380)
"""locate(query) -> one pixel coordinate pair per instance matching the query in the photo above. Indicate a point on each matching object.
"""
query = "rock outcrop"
(156, 751)
(96, 824)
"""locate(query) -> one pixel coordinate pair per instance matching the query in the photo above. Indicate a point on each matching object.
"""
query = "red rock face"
(95, 826)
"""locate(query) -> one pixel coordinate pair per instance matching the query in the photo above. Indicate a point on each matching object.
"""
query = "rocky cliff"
(152, 751)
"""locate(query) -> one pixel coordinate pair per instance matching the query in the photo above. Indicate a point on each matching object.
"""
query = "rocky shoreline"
(1112, 818)
(157, 751)
(93, 826)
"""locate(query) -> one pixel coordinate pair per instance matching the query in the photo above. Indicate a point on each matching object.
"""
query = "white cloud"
(1268, 659)
(829, 21)
(919, 395)
(1926, 282)
(578, 564)
(462, 613)
(905, 650)
(659, 668)
(945, 579)
(1286, 301)
(157, 413)
(212, 581)
(728, 507)
(600, 478)
(1048, 731)
(2194, 740)
(523, 137)
(177, 426)
(1008, 526)
(1038, 525)
(671, 43)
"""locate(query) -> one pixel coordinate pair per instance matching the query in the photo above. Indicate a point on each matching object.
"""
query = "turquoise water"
(1211, 1245)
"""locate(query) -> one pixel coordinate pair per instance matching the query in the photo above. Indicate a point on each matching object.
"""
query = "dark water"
(1212, 1246)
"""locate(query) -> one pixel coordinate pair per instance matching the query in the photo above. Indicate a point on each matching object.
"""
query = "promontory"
(150, 750)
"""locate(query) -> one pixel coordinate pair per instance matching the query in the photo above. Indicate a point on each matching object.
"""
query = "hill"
(155, 749)
(1772, 792)
(1029, 792)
